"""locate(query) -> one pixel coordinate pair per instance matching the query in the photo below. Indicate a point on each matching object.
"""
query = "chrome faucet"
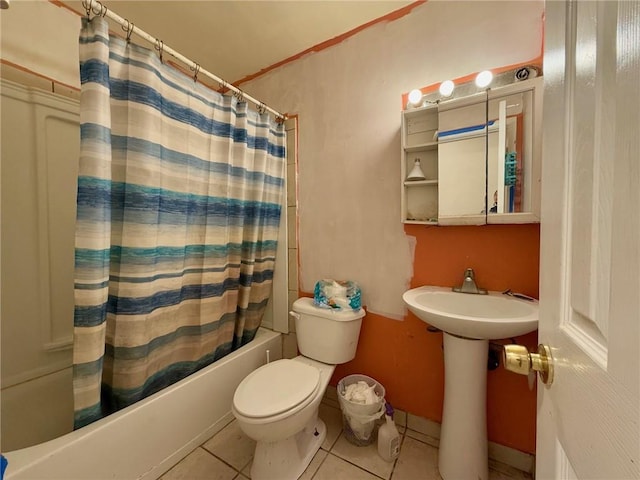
(469, 284)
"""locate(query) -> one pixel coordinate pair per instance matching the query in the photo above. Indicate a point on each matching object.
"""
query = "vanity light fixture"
(446, 88)
(484, 78)
(415, 97)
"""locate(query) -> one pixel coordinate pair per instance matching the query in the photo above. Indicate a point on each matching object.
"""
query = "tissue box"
(337, 294)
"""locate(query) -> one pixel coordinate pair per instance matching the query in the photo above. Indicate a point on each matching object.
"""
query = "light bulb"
(446, 88)
(484, 78)
(415, 96)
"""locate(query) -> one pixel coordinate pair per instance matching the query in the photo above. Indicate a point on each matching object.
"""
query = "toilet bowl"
(277, 404)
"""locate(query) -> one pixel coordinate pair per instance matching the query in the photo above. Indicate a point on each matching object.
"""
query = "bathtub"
(148, 438)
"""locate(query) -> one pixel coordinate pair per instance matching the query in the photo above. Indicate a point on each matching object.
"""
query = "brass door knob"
(518, 359)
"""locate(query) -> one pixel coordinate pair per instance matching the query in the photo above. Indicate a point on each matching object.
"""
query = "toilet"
(277, 404)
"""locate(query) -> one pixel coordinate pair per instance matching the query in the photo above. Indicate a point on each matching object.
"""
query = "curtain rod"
(98, 9)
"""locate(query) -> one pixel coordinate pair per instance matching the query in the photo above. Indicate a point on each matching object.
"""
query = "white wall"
(43, 38)
(348, 98)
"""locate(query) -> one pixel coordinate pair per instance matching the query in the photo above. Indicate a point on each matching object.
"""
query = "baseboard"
(428, 431)
(512, 457)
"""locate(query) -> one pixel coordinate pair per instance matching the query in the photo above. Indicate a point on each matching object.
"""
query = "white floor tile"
(246, 471)
(334, 468)
(332, 418)
(313, 467)
(200, 464)
(500, 471)
(338, 459)
(232, 446)
(416, 460)
(364, 457)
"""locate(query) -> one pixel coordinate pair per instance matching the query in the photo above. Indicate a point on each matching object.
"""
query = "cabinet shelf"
(421, 147)
(420, 183)
(419, 129)
(421, 222)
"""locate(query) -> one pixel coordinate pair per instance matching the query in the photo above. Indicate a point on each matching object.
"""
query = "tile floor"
(228, 455)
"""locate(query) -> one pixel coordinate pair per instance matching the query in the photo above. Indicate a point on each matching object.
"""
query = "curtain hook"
(159, 47)
(87, 4)
(103, 13)
(239, 95)
(129, 29)
(196, 69)
(262, 108)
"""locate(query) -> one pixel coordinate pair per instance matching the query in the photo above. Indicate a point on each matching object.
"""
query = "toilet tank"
(327, 335)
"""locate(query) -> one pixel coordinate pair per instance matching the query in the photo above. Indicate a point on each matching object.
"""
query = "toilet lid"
(275, 388)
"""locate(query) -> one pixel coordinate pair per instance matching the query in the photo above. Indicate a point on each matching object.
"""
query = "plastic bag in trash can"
(359, 419)
(358, 427)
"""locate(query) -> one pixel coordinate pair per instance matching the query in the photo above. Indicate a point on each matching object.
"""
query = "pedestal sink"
(468, 322)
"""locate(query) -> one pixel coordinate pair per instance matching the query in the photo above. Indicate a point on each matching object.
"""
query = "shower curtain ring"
(129, 29)
(196, 70)
(159, 47)
(239, 96)
(103, 13)
(262, 108)
(87, 4)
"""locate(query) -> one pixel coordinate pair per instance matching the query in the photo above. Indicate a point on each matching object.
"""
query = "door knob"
(518, 359)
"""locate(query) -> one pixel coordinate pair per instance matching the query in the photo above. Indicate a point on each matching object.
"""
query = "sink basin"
(486, 317)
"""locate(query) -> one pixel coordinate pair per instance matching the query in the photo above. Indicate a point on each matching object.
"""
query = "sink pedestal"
(463, 449)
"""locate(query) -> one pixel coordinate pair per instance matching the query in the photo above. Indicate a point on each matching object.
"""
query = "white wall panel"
(40, 146)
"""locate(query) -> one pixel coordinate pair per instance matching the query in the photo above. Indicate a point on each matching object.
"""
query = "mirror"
(513, 158)
(488, 156)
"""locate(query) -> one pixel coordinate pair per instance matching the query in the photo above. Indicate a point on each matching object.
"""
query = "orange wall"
(408, 360)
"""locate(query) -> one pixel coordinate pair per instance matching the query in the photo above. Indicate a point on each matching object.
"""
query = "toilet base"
(288, 458)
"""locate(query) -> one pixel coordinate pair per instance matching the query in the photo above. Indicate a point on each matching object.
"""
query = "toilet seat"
(276, 388)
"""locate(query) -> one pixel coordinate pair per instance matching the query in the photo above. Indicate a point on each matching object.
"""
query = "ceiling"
(234, 38)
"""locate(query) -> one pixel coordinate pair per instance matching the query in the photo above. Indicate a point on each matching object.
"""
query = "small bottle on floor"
(388, 437)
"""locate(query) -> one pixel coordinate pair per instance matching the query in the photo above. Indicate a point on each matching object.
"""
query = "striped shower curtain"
(179, 197)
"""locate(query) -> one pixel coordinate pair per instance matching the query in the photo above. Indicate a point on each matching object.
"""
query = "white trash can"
(359, 419)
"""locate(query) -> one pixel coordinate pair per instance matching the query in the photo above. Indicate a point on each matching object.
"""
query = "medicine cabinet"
(477, 158)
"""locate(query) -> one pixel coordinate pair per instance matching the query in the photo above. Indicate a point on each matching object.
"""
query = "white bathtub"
(148, 438)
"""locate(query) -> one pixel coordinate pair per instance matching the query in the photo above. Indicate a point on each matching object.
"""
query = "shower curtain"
(179, 196)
